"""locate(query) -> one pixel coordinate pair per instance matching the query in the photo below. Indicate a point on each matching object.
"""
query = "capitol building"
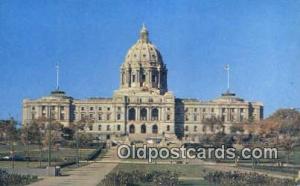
(143, 107)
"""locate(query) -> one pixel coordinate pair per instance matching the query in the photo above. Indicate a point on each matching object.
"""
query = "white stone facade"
(143, 107)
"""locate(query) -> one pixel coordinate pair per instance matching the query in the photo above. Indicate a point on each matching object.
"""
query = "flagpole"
(228, 83)
(57, 77)
(228, 77)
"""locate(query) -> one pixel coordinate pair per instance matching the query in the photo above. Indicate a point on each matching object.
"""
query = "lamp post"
(77, 145)
(13, 143)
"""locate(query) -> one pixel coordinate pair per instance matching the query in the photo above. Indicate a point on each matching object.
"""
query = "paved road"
(89, 175)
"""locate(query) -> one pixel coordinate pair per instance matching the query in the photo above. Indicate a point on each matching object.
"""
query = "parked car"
(15, 157)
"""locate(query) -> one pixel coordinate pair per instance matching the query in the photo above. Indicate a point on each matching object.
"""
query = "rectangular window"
(195, 109)
(62, 108)
(168, 117)
(108, 108)
(82, 108)
(223, 118)
(91, 108)
(195, 128)
(100, 108)
(100, 117)
(62, 116)
(153, 78)
(133, 78)
(99, 127)
(108, 117)
(118, 127)
(186, 118)
(91, 127)
(118, 116)
(108, 127)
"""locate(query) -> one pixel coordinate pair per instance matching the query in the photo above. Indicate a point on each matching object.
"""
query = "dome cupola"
(143, 52)
(143, 68)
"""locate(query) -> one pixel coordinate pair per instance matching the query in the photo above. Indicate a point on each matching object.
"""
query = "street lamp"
(49, 137)
(77, 145)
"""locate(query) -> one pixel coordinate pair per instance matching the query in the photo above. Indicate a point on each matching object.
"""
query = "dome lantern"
(144, 34)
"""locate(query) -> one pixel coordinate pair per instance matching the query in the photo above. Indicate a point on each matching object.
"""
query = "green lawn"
(282, 157)
(34, 151)
(21, 164)
(186, 183)
(194, 183)
(58, 155)
(295, 156)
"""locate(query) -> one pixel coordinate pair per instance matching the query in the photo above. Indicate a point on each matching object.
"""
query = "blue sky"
(259, 39)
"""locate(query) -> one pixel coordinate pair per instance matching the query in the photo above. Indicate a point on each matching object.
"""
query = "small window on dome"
(151, 48)
(144, 55)
(153, 56)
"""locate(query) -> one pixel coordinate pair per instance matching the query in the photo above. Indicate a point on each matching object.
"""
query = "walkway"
(90, 175)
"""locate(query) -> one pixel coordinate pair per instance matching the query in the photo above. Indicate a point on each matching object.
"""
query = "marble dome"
(143, 52)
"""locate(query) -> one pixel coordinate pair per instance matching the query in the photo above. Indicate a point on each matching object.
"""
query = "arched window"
(143, 129)
(154, 129)
(143, 114)
(131, 129)
(195, 128)
(186, 128)
(131, 114)
(204, 129)
(123, 80)
(168, 127)
(154, 114)
(153, 78)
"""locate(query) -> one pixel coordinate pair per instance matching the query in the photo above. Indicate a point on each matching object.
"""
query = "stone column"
(128, 74)
(159, 80)
(138, 77)
(149, 114)
(137, 113)
(39, 111)
(150, 78)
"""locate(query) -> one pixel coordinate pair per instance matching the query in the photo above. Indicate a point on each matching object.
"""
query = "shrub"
(7, 179)
(241, 179)
(135, 178)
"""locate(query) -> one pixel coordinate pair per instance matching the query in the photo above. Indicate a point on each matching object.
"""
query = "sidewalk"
(89, 175)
